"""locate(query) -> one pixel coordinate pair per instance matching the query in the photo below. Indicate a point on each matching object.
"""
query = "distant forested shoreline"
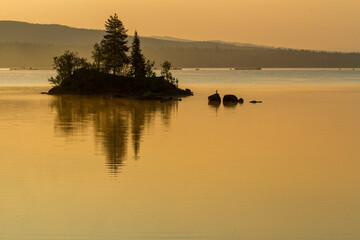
(26, 55)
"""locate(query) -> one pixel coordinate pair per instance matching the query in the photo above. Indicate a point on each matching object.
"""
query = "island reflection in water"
(114, 121)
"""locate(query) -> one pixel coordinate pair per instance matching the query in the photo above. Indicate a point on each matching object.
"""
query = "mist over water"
(25, 77)
(80, 167)
(215, 76)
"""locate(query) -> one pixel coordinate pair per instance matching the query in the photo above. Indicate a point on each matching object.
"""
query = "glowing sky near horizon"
(309, 24)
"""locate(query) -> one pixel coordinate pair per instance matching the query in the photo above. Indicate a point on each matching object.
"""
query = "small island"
(113, 72)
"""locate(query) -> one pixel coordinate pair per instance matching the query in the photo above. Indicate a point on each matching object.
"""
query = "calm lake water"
(100, 168)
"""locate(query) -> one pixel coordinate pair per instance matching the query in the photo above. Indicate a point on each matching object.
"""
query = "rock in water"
(188, 91)
(230, 98)
(214, 98)
(254, 101)
(241, 100)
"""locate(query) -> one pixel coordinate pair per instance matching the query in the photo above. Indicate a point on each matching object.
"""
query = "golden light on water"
(286, 168)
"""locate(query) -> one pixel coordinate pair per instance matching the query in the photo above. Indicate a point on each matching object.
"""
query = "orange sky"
(310, 24)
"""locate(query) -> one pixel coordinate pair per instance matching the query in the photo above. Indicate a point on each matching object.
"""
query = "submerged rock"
(214, 98)
(214, 104)
(230, 104)
(230, 98)
(254, 101)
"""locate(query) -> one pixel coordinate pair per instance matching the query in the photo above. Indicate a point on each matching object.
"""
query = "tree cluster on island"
(110, 58)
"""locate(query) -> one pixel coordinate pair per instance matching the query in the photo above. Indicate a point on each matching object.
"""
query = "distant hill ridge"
(23, 32)
(27, 45)
(13, 31)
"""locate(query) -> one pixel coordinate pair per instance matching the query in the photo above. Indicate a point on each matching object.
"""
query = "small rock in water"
(189, 92)
(214, 98)
(230, 98)
(254, 101)
(241, 100)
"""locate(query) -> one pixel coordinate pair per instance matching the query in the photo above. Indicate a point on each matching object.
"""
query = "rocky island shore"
(92, 82)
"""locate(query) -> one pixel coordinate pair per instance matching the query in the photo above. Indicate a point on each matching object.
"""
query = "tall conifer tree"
(114, 44)
(137, 59)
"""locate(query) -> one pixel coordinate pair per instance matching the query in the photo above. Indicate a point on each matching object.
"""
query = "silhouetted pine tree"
(137, 59)
(114, 45)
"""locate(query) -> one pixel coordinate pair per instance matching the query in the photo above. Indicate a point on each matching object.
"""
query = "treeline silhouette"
(34, 45)
(17, 55)
(253, 57)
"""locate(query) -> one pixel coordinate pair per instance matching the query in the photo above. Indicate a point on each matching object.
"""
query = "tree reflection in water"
(113, 121)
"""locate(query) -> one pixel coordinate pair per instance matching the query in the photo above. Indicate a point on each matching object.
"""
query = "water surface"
(102, 168)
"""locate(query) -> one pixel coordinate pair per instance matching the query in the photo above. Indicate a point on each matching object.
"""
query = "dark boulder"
(254, 101)
(214, 98)
(230, 98)
(241, 100)
(189, 92)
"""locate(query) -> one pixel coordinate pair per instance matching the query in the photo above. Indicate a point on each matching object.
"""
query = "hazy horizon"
(175, 38)
(302, 24)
